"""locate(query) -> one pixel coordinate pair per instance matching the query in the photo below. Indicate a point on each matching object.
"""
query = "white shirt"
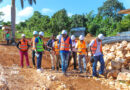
(73, 46)
(98, 52)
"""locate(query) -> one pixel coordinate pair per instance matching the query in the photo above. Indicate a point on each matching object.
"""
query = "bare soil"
(29, 79)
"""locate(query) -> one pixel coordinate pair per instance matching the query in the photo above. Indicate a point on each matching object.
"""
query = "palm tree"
(13, 14)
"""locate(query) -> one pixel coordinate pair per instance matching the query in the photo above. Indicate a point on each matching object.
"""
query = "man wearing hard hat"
(23, 47)
(39, 50)
(73, 53)
(65, 46)
(97, 54)
(82, 51)
(35, 34)
(56, 50)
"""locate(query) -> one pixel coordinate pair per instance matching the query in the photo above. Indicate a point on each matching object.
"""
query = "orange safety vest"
(65, 45)
(56, 47)
(94, 47)
(81, 47)
(24, 45)
(33, 43)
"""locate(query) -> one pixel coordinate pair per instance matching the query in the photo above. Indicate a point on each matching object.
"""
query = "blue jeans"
(64, 61)
(39, 60)
(101, 60)
(80, 58)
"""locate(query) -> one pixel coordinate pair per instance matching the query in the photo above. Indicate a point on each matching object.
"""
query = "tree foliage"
(111, 8)
(107, 21)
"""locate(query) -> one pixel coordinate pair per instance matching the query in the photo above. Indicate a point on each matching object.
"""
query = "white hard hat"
(64, 32)
(81, 37)
(23, 35)
(41, 33)
(72, 37)
(101, 36)
(35, 32)
(58, 37)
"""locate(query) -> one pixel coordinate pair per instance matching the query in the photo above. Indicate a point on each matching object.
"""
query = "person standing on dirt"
(7, 37)
(35, 34)
(56, 51)
(97, 54)
(73, 54)
(65, 46)
(81, 47)
(49, 46)
(23, 47)
(39, 48)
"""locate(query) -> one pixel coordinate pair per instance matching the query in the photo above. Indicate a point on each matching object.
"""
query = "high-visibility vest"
(94, 47)
(33, 43)
(39, 46)
(56, 47)
(23, 45)
(81, 47)
(65, 45)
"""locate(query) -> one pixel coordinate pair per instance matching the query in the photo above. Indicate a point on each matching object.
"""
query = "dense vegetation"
(106, 21)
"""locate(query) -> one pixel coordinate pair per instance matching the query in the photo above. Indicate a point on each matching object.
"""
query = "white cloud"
(26, 12)
(7, 13)
(70, 14)
(46, 10)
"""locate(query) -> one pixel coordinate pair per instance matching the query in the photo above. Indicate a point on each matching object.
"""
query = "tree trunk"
(13, 17)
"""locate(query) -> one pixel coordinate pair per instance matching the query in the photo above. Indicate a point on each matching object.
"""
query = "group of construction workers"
(62, 49)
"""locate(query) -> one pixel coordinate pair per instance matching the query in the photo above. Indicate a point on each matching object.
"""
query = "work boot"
(21, 66)
(101, 76)
(28, 67)
(84, 70)
(57, 68)
(33, 66)
(81, 72)
(94, 77)
(53, 68)
(75, 69)
(64, 73)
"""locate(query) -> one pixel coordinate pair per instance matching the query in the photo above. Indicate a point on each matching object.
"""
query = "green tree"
(38, 22)
(59, 21)
(78, 21)
(110, 8)
(1, 14)
(124, 24)
(6, 23)
(13, 14)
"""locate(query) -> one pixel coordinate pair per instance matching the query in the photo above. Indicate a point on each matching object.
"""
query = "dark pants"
(57, 62)
(7, 41)
(102, 63)
(33, 57)
(22, 54)
(74, 56)
(39, 60)
(64, 61)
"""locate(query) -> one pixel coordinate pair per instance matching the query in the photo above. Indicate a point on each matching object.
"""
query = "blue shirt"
(36, 39)
(63, 51)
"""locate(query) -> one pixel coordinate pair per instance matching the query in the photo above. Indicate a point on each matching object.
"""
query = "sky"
(49, 7)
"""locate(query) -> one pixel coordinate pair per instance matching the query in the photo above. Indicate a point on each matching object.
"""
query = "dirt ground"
(29, 79)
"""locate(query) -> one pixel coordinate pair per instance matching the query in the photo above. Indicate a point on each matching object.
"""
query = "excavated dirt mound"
(29, 79)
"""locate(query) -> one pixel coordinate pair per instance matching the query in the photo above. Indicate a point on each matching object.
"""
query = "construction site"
(117, 73)
(115, 53)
